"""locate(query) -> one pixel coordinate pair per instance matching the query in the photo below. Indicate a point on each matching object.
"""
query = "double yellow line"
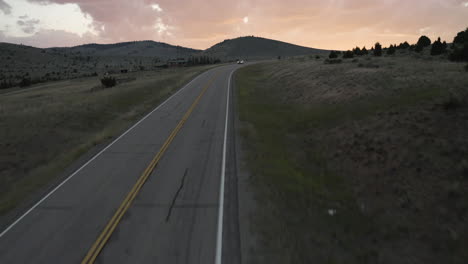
(112, 224)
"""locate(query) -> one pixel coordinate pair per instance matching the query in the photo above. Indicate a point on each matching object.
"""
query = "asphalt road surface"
(154, 195)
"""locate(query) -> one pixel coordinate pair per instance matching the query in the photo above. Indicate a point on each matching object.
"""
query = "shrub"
(419, 48)
(25, 82)
(438, 47)
(461, 38)
(364, 51)
(333, 55)
(348, 55)
(391, 50)
(108, 81)
(459, 53)
(6, 84)
(357, 51)
(378, 49)
(460, 47)
(333, 61)
(424, 41)
(404, 45)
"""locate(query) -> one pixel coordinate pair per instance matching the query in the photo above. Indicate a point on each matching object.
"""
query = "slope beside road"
(174, 159)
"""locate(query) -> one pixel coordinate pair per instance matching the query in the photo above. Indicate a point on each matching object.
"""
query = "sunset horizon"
(337, 25)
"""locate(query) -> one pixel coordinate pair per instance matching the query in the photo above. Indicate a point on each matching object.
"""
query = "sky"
(331, 24)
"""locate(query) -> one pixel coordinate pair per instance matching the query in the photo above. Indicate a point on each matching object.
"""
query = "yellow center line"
(112, 224)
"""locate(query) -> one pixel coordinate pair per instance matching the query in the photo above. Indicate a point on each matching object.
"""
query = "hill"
(146, 48)
(21, 62)
(257, 48)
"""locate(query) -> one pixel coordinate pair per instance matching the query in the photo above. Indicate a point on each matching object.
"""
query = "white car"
(240, 62)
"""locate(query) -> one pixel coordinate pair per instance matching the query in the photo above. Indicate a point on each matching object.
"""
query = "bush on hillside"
(6, 84)
(419, 48)
(333, 61)
(459, 53)
(108, 81)
(357, 51)
(424, 41)
(461, 38)
(333, 55)
(378, 49)
(460, 47)
(348, 54)
(438, 47)
(404, 45)
(25, 82)
(391, 50)
(364, 51)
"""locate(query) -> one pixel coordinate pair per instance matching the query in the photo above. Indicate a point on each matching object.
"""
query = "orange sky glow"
(333, 24)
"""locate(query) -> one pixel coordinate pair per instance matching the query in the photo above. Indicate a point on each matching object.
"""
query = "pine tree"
(357, 51)
(364, 51)
(333, 55)
(391, 50)
(378, 49)
(438, 48)
(348, 54)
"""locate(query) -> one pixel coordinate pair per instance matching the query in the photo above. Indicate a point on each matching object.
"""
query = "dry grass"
(371, 139)
(45, 128)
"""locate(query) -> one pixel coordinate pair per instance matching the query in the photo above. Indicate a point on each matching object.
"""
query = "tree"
(419, 48)
(333, 55)
(357, 51)
(108, 81)
(26, 81)
(438, 47)
(461, 38)
(424, 41)
(348, 54)
(378, 49)
(364, 51)
(391, 50)
(404, 45)
(460, 47)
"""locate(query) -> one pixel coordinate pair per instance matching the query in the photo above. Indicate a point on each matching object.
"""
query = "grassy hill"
(257, 48)
(19, 62)
(136, 49)
(361, 161)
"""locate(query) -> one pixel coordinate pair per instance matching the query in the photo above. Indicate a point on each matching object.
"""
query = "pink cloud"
(51, 38)
(336, 24)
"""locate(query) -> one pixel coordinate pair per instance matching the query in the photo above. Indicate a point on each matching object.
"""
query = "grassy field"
(43, 129)
(359, 162)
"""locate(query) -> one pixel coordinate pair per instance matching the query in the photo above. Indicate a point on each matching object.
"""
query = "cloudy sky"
(329, 24)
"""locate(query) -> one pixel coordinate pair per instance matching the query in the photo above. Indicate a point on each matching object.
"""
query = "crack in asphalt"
(176, 195)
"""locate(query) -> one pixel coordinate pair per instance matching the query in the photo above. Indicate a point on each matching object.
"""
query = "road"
(154, 195)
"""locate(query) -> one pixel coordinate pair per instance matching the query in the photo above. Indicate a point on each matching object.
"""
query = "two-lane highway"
(154, 195)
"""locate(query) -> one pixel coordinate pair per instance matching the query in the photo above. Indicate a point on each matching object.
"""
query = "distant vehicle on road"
(240, 62)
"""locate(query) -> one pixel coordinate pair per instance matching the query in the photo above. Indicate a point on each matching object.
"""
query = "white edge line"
(93, 158)
(219, 234)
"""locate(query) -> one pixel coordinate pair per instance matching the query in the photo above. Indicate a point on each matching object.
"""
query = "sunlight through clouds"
(156, 7)
(314, 23)
(66, 17)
